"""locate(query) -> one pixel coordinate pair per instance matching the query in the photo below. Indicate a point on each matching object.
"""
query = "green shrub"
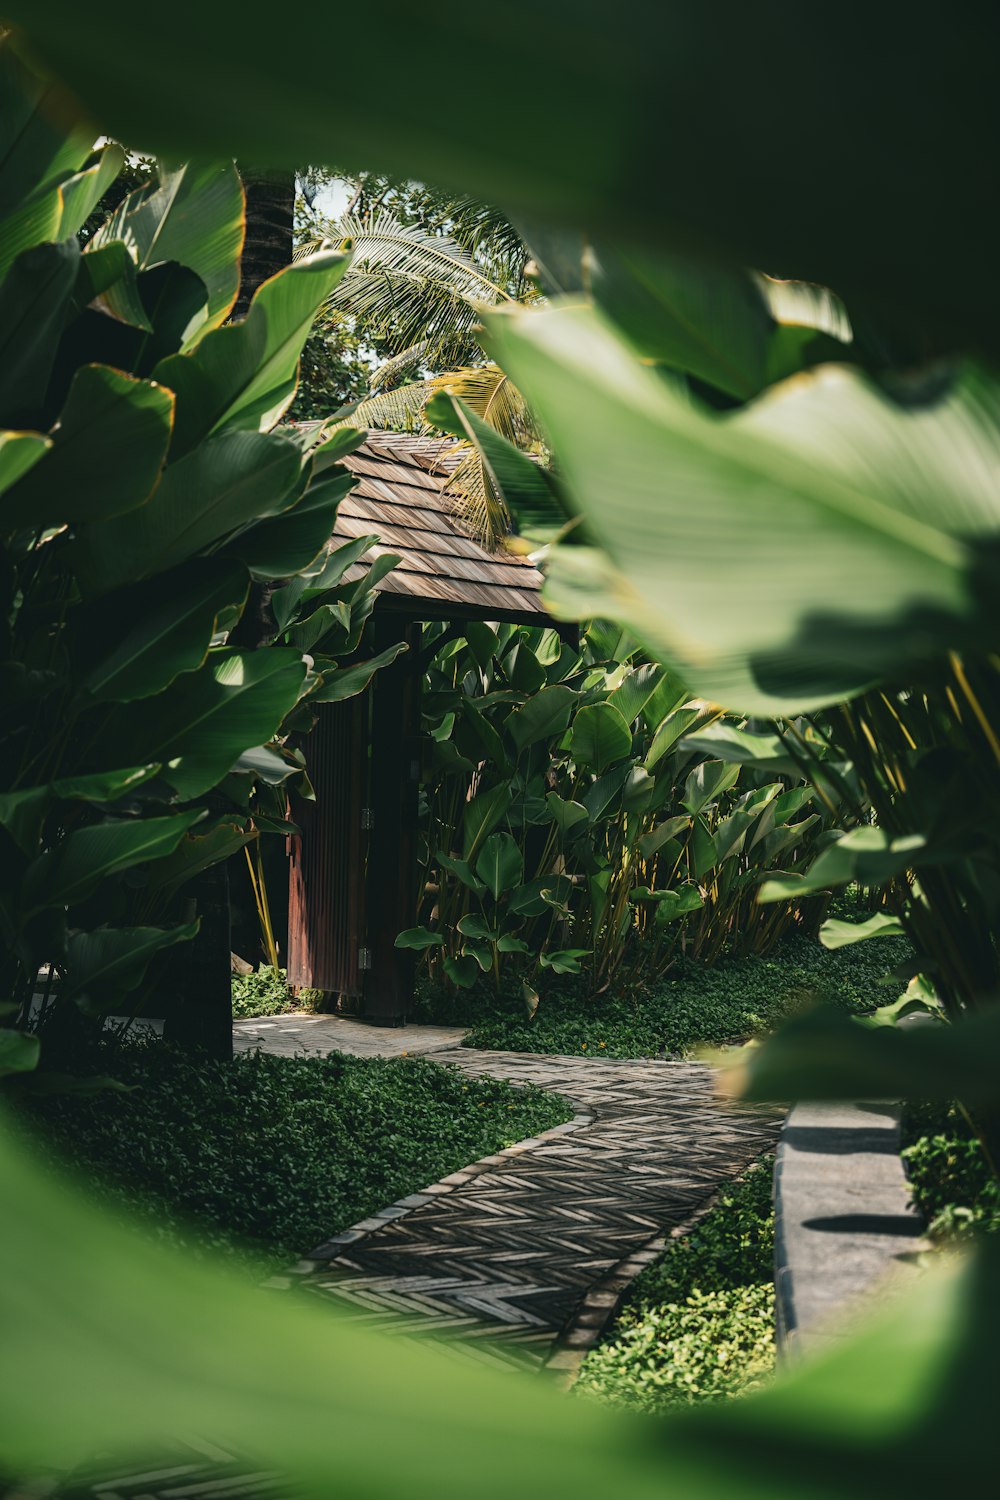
(952, 1184)
(735, 1000)
(262, 993)
(273, 1155)
(698, 1325)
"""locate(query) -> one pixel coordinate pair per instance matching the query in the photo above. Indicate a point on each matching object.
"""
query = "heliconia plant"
(577, 821)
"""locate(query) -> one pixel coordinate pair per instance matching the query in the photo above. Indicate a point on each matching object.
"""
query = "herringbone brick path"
(501, 1264)
(519, 1259)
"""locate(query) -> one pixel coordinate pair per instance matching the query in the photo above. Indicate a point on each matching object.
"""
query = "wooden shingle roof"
(400, 498)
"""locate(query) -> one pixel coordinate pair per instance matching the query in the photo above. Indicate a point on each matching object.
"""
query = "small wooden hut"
(353, 873)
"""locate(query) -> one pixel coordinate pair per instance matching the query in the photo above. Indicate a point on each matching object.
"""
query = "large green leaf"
(481, 816)
(636, 691)
(204, 720)
(768, 752)
(784, 556)
(500, 866)
(346, 682)
(292, 541)
(133, 642)
(19, 452)
(205, 845)
(34, 297)
(600, 735)
(23, 811)
(706, 783)
(671, 729)
(75, 867)
(866, 855)
(108, 449)
(543, 716)
(194, 216)
(326, 572)
(82, 192)
(678, 902)
(245, 375)
(602, 133)
(32, 223)
(712, 320)
(113, 960)
(825, 1054)
(39, 153)
(567, 815)
(225, 483)
(837, 934)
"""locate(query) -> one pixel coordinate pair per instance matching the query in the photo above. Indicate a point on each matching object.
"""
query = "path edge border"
(355, 1236)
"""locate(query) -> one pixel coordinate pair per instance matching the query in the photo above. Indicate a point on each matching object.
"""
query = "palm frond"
(386, 244)
(407, 285)
(386, 375)
(475, 498)
(488, 392)
(400, 410)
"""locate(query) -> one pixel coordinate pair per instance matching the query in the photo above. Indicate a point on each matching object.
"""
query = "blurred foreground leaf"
(825, 1054)
(784, 556)
(112, 1343)
(849, 155)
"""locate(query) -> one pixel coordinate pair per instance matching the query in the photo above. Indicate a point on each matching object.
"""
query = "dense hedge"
(274, 1154)
(698, 1325)
(737, 999)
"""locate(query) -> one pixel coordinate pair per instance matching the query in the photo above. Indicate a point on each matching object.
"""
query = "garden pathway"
(521, 1258)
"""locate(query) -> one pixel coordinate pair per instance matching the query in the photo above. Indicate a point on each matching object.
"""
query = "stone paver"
(846, 1229)
(299, 1032)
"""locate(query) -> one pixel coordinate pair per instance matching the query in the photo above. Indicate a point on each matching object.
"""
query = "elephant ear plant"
(143, 485)
(575, 821)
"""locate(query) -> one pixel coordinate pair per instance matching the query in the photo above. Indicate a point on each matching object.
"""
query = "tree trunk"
(270, 198)
(199, 974)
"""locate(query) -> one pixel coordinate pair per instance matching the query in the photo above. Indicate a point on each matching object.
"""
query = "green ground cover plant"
(953, 1186)
(698, 1325)
(732, 1002)
(271, 1155)
(263, 992)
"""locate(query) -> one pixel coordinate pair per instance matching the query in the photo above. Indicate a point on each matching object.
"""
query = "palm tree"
(418, 291)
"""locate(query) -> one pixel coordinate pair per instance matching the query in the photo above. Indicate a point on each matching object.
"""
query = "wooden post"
(197, 976)
(395, 777)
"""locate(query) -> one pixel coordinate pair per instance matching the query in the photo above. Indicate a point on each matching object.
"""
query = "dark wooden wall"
(326, 872)
(392, 850)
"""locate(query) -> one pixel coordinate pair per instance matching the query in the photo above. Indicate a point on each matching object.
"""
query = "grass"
(949, 1175)
(735, 1000)
(267, 1155)
(698, 1325)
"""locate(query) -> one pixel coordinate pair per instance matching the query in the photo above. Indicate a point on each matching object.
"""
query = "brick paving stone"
(501, 1264)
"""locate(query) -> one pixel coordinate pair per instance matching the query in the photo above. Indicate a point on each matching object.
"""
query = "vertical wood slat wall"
(392, 849)
(326, 871)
